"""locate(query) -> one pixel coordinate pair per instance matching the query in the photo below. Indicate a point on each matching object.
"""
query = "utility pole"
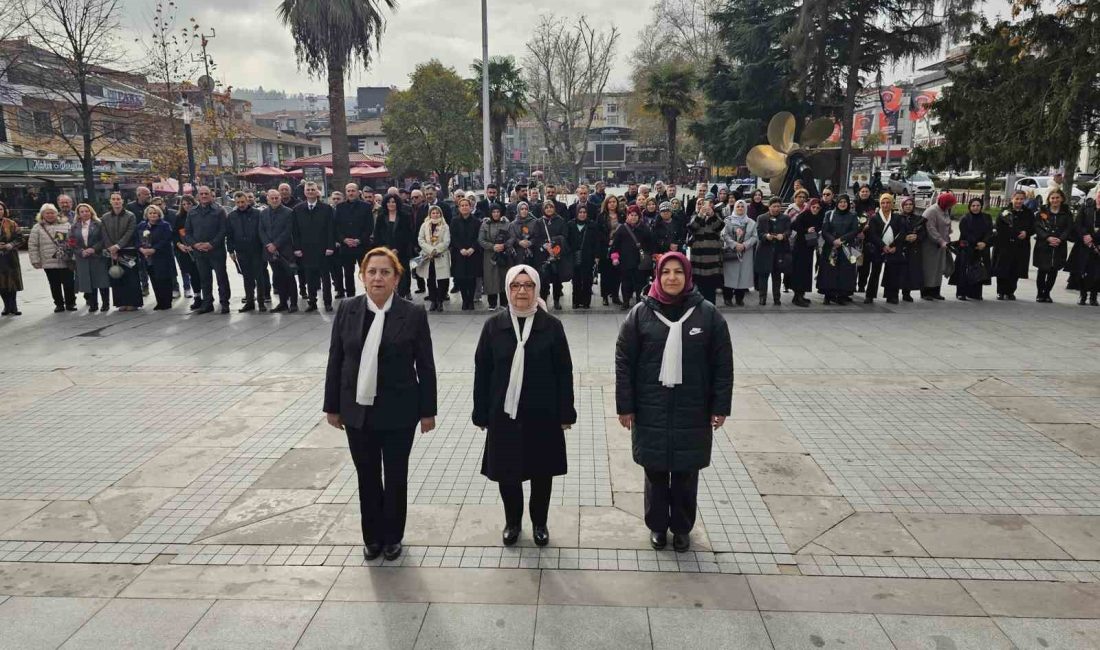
(486, 149)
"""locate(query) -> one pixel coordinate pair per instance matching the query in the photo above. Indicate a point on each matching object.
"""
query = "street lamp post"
(190, 147)
(486, 151)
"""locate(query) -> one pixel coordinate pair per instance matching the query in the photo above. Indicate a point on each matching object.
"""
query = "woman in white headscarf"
(673, 387)
(738, 251)
(523, 397)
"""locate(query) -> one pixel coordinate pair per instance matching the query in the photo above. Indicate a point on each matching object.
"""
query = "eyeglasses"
(525, 286)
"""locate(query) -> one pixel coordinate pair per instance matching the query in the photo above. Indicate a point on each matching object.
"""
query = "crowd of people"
(291, 249)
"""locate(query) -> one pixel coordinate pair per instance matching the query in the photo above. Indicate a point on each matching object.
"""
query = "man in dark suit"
(380, 416)
(584, 199)
(244, 244)
(354, 225)
(521, 197)
(314, 242)
(204, 232)
(485, 206)
(559, 208)
(276, 225)
(143, 199)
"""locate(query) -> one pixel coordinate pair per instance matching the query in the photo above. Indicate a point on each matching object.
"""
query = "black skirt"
(517, 450)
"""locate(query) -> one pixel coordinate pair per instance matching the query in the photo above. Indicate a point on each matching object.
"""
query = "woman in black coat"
(523, 397)
(886, 233)
(465, 251)
(673, 388)
(773, 251)
(153, 240)
(1012, 245)
(864, 206)
(612, 215)
(836, 278)
(631, 245)
(393, 229)
(916, 231)
(1084, 259)
(805, 230)
(586, 245)
(1053, 228)
(972, 260)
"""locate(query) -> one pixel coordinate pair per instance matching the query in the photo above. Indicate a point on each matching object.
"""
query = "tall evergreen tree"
(507, 102)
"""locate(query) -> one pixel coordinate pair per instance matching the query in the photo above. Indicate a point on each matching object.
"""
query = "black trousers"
(670, 499)
(544, 290)
(466, 288)
(92, 299)
(437, 289)
(162, 288)
(381, 459)
(864, 272)
(254, 271)
(335, 272)
(209, 265)
(610, 281)
(493, 297)
(582, 287)
(762, 283)
(317, 277)
(1044, 281)
(890, 276)
(283, 281)
(512, 496)
(348, 268)
(1006, 285)
(10, 303)
(708, 286)
(61, 287)
(631, 282)
(404, 286)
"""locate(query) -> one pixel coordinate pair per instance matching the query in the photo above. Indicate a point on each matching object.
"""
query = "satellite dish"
(206, 83)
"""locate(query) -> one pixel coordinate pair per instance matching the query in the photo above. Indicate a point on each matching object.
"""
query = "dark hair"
(388, 199)
(492, 186)
(774, 200)
(845, 198)
(1057, 191)
(239, 195)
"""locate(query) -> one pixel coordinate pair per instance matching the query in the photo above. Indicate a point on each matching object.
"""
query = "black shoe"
(392, 551)
(328, 308)
(225, 309)
(828, 300)
(928, 298)
(312, 307)
(541, 535)
(1000, 296)
(70, 307)
(195, 306)
(419, 291)
(907, 298)
(293, 309)
(727, 302)
(658, 540)
(681, 543)
(281, 307)
(60, 308)
(557, 304)
(740, 302)
(868, 300)
(206, 309)
(510, 535)
(446, 298)
(963, 298)
(339, 295)
(891, 301)
(1010, 296)
(248, 306)
(616, 301)
(263, 306)
(801, 302)
(776, 301)
(1093, 302)
(1081, 301)
(605, 301)
(763, 300)
(454, 289)
(938, 297)
(372, 551)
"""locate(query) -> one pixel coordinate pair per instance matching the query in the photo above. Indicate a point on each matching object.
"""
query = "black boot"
(1092, 300)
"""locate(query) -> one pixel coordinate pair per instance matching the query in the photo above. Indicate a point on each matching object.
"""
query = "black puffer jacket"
(672, 425)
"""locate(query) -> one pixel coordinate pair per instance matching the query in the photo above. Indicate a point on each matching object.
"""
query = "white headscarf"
(515, 375)
(366, 386)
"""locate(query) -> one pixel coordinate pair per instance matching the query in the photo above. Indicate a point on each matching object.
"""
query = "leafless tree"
(10, 51)
(73, 74)
(681, 29)
(567, 68)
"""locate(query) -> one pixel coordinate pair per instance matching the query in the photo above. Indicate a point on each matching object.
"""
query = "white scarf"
(515, 374)
(672, 361)
(366, 386)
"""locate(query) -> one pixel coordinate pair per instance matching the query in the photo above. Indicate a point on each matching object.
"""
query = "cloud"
(253, 48)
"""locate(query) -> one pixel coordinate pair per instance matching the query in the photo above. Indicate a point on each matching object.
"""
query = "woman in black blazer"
(523, 395)
(380, 383)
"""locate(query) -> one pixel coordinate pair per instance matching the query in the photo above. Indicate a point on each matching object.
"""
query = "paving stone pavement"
(165, 462)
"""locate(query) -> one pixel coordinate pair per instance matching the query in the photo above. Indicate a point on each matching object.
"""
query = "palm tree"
(669, 93)
(507, 101)
(330, 36)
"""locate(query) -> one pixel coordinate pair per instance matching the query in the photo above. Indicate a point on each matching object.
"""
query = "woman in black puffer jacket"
(673, 387)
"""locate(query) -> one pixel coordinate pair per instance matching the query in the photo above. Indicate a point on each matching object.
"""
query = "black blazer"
(406, 366)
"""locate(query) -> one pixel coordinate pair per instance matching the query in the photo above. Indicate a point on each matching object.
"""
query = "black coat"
(631, 249)
(672, 430)
(1052, 224)
(836, 272)
(532, 445)
(206, 224)
(484, 208)
(354, 220)
(1010, 253)
(276, 225)
(1084, 259)
(972, 230)
(666, 233)
(586, 245)
(876, 230)
(772, 255)
(556, 233)
(314, 233)
(398, 236)
(803, 248)
(464, 235)
(915, 224)
(244, 232)
(163, 262)
(406, 366)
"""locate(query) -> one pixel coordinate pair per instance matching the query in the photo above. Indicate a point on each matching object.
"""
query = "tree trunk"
(670, 124)
(855, 58)
(338, 126)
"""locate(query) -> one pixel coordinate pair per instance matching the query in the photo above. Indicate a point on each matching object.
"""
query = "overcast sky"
(252, 47)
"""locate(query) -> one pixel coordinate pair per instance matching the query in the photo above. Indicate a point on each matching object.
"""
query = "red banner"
(861, 125)
(918, 103)
(888, 122)
(891, 99)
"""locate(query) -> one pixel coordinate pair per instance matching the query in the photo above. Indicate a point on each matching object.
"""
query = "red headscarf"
(657, 292)
(946, 201)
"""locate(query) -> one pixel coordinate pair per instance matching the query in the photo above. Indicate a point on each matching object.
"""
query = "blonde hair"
(153, 208)
(50, 206)
(884, 196)
(95, 217)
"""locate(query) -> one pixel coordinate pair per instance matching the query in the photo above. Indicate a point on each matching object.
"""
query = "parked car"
(918, 185)
(1042, 185)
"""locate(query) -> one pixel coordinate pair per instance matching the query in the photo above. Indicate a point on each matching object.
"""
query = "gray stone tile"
(565, 626)
(626, 475)
(108, 517)
(749, 405)
(481, 525)
(607, 527)
(980, 536)
(920, 632)
(1077, 535)
(870, 533)
(265, 403)
(477, 626)
(66, 580)
(1036, 599)
(304, 526)
(642, 589)
(862, 595)
(1082, 439)
(174, 467)
(304, 469)
(806, 630)
(226, 430)
(13, 511)
(250, 624)
(767, 436)
(323, 436)
(364, 626)
(803, 518)
(1034, 409)
(1065, 634)
(790, 474)
(137, 623)
(443, 585)
(701, 628)
(259, 504)
(30, 623)
(236, 582)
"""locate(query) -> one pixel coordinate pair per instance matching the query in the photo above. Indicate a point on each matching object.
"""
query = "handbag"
(976, 273)
(645, 262)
